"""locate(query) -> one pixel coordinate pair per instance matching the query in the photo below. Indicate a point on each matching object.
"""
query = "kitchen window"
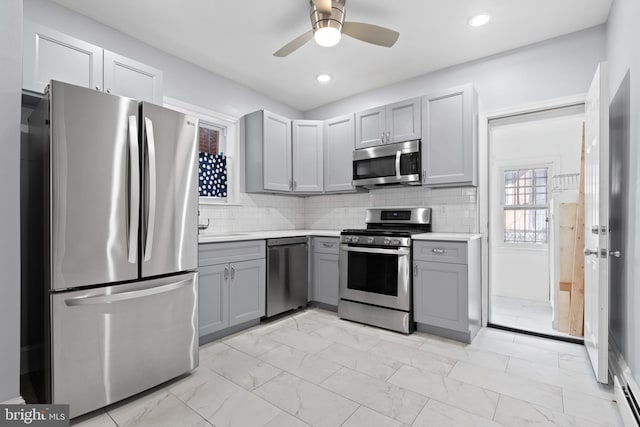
(218, 182)
(526, 205)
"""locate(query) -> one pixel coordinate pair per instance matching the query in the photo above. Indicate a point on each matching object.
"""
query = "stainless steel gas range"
(375, 268)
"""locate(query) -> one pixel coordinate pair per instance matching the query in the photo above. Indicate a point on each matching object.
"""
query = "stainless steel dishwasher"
(287, 274)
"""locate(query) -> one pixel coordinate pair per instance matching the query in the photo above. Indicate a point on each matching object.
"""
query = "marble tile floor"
(313, 369)
(524, 314)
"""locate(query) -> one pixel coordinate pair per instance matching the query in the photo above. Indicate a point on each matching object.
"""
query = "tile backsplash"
(255, 212)
(453, 209)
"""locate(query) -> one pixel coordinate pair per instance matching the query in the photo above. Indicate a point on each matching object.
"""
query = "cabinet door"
(308, 156)
(277, 152)
(213, 297)
(403, 121)
(370, 127)
(126, 77)
(339, 139)
(325, 278)
(50, 55)
(441, 295)
(247, 290)
(449, 150)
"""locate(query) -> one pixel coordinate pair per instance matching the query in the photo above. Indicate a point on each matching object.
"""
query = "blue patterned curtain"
(212, 169)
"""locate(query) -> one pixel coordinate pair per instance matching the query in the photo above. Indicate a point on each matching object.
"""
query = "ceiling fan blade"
(294, 44)
(323, 6)
(370, 33)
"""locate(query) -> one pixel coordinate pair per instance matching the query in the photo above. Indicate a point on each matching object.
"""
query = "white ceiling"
(237, 38)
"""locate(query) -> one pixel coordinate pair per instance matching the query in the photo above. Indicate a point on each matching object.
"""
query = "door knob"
(615, 254)
(588, 252)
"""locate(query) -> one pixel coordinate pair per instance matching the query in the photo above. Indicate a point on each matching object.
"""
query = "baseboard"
(15, 401)
(626, 389)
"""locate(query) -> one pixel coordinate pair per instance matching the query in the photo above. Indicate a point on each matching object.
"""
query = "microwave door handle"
(134, 190)
(151, 211)
(398, 154)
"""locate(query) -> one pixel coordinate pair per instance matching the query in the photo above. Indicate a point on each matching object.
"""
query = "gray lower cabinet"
(232, 284)
(246, 291)
(446, 288)
(325, 270)
(213, 297)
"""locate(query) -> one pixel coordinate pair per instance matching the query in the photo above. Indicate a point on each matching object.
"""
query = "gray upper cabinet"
(277, 152)
(387, 124)
(126, 77)
(51, 55)
(403, 121)
(449, 143)
(339, 139)
(281, 155)
(266, 141)
(308, 163)
(371, 127)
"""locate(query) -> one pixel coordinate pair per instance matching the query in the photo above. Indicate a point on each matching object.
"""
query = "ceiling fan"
(327, 20)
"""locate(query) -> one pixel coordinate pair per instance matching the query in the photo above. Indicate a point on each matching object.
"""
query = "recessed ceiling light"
(479, 20)
(323, 78)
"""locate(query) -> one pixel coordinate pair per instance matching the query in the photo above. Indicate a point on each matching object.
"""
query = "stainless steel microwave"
(387, 164)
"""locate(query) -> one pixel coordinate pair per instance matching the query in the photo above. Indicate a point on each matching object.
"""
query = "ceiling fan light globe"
(327, 36)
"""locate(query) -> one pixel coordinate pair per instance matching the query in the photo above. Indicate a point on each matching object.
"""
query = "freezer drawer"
(112, 342)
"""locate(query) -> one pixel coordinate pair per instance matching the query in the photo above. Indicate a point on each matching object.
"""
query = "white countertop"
(458, 237)
(259, 235)
(274, 234)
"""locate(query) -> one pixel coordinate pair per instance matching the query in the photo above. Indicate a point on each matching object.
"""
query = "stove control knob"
(371, 239)
(395, 242)
(387, 241)
(355, 239)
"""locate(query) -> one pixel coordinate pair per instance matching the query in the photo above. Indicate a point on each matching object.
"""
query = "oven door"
(377, 276)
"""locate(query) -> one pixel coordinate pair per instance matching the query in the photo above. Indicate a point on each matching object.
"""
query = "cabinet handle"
(97, 87)
(290, 184)
(382, 137)
(233, 273)
(327, 245)
(226, 273)
(389, 136)
(108, 90)
(295, 184)
(415, 270)
(438, 251)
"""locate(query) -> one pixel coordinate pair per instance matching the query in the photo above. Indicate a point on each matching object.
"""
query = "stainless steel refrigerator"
(112, 199)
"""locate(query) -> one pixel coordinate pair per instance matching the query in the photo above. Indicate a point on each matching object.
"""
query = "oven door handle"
(369, 250)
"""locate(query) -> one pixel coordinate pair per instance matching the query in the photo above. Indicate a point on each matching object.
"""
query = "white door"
(596, 242)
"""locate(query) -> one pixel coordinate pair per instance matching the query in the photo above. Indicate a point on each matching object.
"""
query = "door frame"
(484, 171)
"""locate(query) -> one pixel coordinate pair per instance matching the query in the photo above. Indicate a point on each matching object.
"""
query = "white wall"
(10, 88)
(523, 271)
(551, 69)
(182, 80)
(623, 54)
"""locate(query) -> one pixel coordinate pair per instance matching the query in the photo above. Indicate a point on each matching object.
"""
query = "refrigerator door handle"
(122, 296)
(134, 190)
(151, 211)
